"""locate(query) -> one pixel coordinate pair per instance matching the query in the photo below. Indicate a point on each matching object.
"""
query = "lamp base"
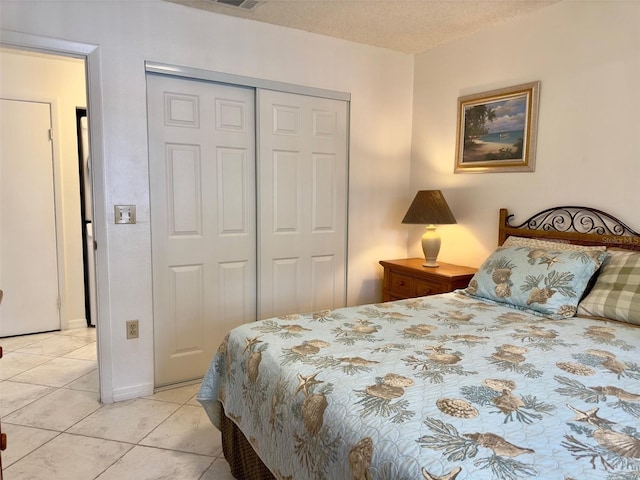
(430, 246)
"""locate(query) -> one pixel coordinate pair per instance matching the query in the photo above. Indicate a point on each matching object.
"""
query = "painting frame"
(508, 144)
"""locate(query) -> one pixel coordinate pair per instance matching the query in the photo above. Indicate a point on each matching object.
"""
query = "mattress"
(447, 386)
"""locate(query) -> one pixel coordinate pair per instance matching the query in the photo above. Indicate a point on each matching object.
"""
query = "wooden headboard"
(578, 225)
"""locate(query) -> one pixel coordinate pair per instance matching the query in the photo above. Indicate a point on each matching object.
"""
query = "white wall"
(60, 80)
(587, 56)
(128, 33)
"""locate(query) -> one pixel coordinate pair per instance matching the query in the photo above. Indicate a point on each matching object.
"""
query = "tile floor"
(57, 429)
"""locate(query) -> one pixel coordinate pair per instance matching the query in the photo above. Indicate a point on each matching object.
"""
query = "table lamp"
(429, 208)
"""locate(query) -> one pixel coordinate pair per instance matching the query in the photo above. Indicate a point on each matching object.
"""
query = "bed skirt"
(243, 460)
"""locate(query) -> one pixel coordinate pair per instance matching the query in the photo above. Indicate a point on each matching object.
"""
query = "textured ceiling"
(409, 26)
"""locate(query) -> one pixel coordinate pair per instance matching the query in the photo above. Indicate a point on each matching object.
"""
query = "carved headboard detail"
(579, 225)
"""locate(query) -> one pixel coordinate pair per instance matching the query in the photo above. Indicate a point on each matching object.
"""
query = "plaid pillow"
(616, 293)
(514, 241)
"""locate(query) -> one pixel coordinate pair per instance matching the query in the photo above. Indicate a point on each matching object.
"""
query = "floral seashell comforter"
(439, 387)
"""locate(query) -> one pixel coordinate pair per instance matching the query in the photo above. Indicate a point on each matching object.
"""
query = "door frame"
(91, 55)
(242, 81)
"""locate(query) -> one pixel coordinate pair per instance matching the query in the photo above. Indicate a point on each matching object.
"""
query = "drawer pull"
(401, 283)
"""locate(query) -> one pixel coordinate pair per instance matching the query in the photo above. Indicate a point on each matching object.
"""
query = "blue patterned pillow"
(546, 281)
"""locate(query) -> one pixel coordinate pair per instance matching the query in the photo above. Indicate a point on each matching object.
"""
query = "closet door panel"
(324, 272)
(188, 304)
(324, 190)
(285, 195)
(234, 211)
(302, 178)
(236, 302)
(202, 175)
(183, 190)
(286, 274)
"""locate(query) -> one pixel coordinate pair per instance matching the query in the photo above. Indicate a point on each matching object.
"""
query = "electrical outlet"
(132, 329)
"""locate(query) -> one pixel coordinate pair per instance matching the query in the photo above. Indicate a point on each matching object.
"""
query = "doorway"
(60, 85)
(91, 56)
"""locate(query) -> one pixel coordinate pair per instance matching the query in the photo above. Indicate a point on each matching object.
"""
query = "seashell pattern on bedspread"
(440, 387)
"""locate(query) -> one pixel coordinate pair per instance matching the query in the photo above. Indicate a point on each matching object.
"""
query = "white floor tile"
(86, 333)
(15, 395)
(55, 345)
(68, 457)
(57, 411)
(187, 430)
(88, 382)
(50, 385)
(88, 352)
(219, 470)
(11, 344)
(179, 395)
(22, 441)
(146, 463)
(128, 421)
(14, 363)
(57, 372)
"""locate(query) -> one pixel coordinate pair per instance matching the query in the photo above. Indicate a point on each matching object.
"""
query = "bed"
(533, 371)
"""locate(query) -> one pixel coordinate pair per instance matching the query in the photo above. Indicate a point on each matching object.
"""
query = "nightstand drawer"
(401, 285)
(428, 288)
(407, 278)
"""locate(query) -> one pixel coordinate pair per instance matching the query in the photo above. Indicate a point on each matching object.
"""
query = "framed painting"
(497, 130)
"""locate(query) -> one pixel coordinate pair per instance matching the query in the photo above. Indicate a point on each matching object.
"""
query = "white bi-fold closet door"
(248, 212)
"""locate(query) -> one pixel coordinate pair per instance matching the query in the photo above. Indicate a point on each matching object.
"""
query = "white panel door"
(28, 252)
(202, 174)
(302, 180)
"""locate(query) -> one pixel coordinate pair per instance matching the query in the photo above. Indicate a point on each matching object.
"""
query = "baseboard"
(187, 383)
(134, 391)
(76, 323)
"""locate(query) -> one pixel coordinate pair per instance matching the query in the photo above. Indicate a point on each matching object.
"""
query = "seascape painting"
(496, 130)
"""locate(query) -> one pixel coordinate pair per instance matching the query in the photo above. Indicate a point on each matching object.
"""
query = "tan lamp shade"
(429, 208)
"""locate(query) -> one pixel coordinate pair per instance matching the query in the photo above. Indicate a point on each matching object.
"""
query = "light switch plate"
(124, 213)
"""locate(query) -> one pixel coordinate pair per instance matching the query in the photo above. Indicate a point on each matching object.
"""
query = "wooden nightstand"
(407, 278)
